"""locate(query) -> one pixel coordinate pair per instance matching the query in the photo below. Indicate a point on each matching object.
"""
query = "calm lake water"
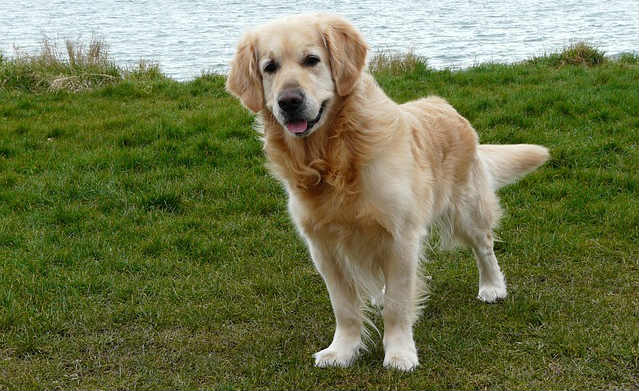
(188, 37)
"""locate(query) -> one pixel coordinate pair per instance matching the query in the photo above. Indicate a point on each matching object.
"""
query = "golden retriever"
(366, 177)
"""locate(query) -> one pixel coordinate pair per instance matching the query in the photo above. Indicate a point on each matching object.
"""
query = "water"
(188, 37)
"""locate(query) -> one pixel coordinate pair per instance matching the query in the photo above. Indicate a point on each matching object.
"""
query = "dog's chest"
(376, 207)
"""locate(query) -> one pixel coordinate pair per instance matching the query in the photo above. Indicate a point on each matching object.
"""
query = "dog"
(366, 177)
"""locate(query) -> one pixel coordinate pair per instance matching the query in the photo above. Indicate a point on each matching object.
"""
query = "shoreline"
(453, 68)
(82, 66)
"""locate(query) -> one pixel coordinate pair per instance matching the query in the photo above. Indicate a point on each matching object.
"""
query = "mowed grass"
(143, 245)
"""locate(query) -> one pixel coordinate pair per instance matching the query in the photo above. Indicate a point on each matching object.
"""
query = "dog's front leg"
(346, 306)
(400, 304)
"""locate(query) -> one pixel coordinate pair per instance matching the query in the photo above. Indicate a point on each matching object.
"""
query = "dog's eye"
(271, 67)
(310, 61)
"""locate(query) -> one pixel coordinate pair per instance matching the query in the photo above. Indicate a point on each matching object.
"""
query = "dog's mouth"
(302, 127)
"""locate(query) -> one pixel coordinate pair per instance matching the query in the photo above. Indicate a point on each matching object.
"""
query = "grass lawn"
(143, 245)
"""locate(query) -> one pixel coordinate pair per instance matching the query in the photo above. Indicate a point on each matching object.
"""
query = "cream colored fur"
(370, 179)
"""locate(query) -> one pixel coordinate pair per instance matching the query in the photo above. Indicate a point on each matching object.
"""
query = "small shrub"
(628, 58)
(579, 53)
(396, 64)
(144, 71)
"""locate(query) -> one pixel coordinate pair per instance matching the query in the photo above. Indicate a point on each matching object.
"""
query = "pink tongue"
(297, 127)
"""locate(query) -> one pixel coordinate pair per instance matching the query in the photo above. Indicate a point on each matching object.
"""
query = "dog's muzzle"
(292, 103)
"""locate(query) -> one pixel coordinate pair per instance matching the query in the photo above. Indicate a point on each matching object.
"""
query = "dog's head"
(296, 68)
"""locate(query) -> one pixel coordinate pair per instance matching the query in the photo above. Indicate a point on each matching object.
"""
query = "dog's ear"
(245, 80)
(347, 52)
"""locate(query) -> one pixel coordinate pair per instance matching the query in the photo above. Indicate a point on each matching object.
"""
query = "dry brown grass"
(77, 66)
(580, 53)
(396, 64)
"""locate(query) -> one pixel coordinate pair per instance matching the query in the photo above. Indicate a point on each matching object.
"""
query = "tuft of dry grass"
(76, 67)
(75, 83)
(396, 63)
(580, 53)
(97, 53)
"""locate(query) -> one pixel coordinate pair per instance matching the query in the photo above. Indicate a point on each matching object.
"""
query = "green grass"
(143, 245)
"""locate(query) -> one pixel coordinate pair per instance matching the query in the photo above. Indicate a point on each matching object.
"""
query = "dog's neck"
(313, 164)
(331, 158)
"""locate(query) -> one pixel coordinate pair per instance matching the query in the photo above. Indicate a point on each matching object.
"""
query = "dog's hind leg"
(476, 215)
(346, 304)
(492, 284)
(497, 165)
(475, 228)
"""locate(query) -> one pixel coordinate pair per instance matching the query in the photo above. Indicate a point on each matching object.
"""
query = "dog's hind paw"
(491, 294)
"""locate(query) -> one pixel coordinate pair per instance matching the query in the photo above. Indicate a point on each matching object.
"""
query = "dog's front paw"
(492, 293)
(403, 360)
(336, 356)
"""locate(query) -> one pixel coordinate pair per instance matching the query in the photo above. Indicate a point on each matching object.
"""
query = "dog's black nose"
(290, 100)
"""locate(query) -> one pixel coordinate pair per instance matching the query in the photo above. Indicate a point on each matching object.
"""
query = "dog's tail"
(508, 163)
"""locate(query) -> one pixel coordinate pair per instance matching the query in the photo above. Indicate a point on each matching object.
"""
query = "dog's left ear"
(244, 80)
(347, 52)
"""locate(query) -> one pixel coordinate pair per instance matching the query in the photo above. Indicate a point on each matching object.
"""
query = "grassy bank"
(143, 245)
(78, 66)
